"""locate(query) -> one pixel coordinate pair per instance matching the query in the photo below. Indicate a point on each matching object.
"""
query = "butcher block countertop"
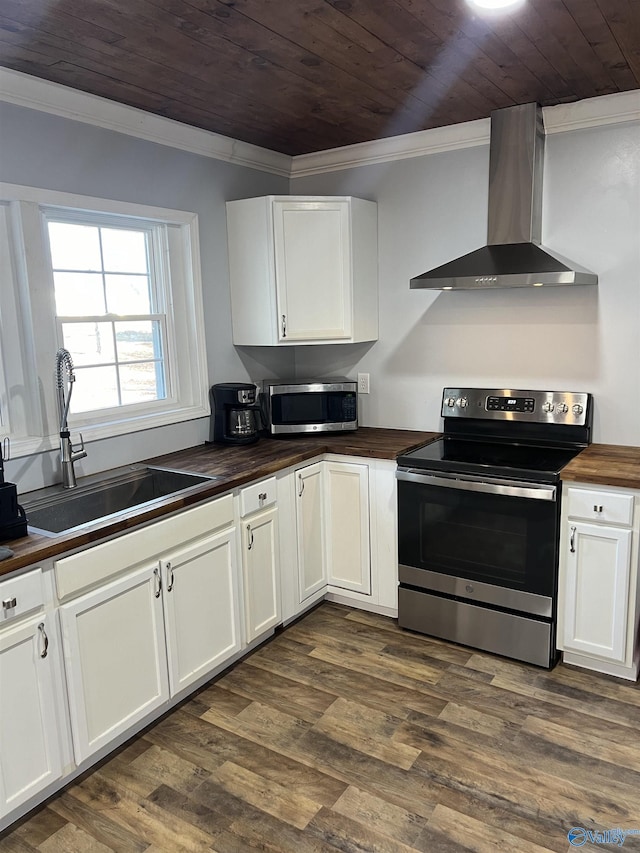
(232, 466)
(605, 465)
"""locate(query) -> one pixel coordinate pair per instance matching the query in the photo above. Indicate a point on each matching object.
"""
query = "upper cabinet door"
(303, 270)
(313, 270)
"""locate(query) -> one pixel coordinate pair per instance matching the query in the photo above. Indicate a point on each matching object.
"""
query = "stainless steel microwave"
(307, 406)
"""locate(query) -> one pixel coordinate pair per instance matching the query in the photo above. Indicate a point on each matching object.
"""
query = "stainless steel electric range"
(478, 519)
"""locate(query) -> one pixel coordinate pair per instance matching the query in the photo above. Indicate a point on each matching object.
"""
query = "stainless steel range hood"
(513, 256)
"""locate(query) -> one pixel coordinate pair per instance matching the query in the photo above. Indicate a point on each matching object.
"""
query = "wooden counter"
(232, 466)
(605, 465)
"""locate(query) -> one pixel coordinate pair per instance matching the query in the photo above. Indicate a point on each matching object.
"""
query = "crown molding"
(34, 93)
(27, 91)
(591, 112)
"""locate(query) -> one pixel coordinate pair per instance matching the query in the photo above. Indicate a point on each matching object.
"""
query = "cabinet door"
(115, 657)
(596, 596)
(347, 526)
(30, 755)
(312, 572)
(201, 607)
(261, 572)
(313, 269)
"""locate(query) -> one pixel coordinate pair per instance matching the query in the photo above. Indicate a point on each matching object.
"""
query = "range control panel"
(558, 407)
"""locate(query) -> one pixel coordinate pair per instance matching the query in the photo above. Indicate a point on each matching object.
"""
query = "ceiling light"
(494, 5)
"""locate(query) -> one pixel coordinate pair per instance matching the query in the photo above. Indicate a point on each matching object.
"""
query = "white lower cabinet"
(347, 526)
(260, 544)
(115, 658)
(344, 538)
(598, 592)
(261, 572)
(30, 714)
(201, 608)
(150, 613)
(310, 530)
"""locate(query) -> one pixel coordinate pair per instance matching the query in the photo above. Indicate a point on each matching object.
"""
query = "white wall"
(433, 208)
(38, 149)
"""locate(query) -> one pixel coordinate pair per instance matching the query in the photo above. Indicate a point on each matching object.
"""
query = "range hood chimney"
(513, 256)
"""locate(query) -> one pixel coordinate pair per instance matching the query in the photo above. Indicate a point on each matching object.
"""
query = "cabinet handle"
(301, 485)
(169, 577)
(158, 577)
(572, 541)
(45, 639)
(262, 496)
(249, 537)
(284, 325)
(597, 508)
(9, 603)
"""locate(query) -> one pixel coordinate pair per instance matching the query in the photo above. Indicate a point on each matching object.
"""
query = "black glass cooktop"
(499, 459)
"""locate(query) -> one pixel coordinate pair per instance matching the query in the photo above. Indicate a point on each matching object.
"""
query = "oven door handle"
(507, 488)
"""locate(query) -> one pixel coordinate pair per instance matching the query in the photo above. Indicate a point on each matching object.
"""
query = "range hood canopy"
(513, 256)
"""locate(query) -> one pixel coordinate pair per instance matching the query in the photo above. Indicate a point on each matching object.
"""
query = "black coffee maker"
(235, 416)
(13, 522)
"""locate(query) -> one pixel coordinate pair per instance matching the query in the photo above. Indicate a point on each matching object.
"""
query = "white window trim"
(33, 294)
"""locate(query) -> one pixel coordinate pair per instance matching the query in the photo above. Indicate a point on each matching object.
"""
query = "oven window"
(505, 541)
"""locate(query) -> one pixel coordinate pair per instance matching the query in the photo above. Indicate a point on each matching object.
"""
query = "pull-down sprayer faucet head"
(64, 369)
(68, 454)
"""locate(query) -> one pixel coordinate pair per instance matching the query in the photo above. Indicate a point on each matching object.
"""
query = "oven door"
(480, 539)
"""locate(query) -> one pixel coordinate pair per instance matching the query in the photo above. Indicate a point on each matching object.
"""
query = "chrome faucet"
(65, 377)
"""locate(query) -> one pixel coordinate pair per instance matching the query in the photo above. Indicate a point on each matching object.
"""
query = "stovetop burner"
(524, 435)
(509, 460)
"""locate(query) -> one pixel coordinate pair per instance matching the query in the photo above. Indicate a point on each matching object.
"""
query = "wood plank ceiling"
(308, 75)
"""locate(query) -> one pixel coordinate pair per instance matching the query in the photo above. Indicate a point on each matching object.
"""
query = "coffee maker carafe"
(234, 413)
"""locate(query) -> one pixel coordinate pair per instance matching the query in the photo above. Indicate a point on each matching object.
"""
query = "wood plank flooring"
(346, 733)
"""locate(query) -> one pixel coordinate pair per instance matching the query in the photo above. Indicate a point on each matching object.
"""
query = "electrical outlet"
(363, 383)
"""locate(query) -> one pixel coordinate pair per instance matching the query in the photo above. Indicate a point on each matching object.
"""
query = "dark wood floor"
(345, 733)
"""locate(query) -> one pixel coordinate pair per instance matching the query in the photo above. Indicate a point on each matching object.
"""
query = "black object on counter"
(13, 521)
(234, 413)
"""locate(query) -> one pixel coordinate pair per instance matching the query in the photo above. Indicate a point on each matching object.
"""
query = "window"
(118, 286)
(110, 310)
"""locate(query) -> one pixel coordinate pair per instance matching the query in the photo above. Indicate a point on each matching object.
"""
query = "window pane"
(128, 294)
(138, 340)
(89, 343)
(94, 388)
(124, 251)
(74, 247)
(140, 383)
(78, 294)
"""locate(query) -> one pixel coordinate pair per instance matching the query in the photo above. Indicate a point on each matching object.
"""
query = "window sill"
(30, 445)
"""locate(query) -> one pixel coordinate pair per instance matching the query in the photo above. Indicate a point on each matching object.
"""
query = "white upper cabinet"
(303, 270)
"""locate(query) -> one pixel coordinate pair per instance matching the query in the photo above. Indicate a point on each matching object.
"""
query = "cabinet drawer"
(20, 595)
(87, 568)
(258, 496)
(609, 507)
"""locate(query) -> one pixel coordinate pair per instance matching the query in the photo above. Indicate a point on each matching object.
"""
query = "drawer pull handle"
(45, 639)
(249, 537)
(597, 508)
(169, 577)
(9, 603)
(262, 496)
(158, 578)
(572, 541)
